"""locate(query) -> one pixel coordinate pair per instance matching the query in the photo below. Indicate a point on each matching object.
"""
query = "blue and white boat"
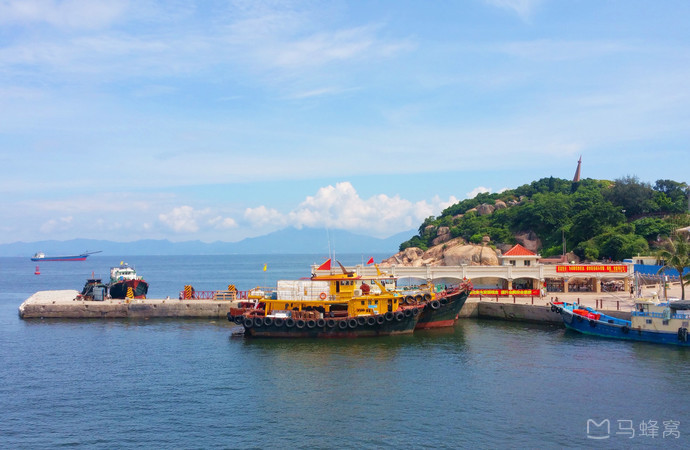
(662, 323)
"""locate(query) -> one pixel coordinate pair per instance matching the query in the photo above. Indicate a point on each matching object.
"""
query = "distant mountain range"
(286, 241)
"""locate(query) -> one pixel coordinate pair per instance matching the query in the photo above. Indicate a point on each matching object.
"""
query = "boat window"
(665, 322)
(649, 320)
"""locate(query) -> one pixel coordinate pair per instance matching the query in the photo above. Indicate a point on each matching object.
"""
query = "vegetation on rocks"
(596, 218)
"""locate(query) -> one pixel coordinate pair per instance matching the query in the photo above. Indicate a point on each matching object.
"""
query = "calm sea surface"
(189, 384)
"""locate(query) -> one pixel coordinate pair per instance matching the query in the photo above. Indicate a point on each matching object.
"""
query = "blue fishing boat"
(662, 323)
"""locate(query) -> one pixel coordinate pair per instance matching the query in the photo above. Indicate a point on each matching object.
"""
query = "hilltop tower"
(576, 178)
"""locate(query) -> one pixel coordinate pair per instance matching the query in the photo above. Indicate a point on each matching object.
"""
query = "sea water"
(173, 383)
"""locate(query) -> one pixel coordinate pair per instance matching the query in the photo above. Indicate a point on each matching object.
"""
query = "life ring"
(268, 321)
(388, 316)
(300, 323)
(399, 316)
(322, 296)
(435, 304)
(371, 320)
(279, 321)
(311, 323)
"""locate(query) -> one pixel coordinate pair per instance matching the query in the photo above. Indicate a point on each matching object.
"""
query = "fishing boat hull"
(120, 288)
(601, 325)
(442, 311)
(40, 256)
(400, 322)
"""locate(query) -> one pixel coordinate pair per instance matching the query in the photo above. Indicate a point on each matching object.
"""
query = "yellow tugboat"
(333, 306)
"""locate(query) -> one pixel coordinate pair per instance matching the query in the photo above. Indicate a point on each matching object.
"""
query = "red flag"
(325, 266)
(371, 261)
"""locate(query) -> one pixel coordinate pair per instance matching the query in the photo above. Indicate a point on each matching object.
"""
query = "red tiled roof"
(519, 250)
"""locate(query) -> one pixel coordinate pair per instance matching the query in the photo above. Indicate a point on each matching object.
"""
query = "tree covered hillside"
(598, 218)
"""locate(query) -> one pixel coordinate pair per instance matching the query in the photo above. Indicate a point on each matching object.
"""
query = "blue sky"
(220, 120)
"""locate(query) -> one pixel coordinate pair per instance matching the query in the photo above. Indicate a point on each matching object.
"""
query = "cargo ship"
(40, 256)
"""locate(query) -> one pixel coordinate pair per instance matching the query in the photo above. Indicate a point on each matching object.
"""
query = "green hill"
(596, 218)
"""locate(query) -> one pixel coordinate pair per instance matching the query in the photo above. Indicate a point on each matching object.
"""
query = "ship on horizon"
(40, 256)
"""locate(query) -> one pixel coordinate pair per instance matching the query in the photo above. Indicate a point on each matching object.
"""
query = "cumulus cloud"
(478, 190)
(341, 207)
(262, 216)
(222, 223)
(182, 219)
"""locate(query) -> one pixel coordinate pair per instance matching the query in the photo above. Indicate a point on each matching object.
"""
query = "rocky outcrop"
(529, 240)
(485, 209)
(454, 252)
(442, 235)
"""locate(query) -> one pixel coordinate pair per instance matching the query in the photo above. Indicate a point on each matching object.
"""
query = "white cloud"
(54, 225)
(341, 207)
(182, 219)
(222, 223)
(262, 216)
(478, 190)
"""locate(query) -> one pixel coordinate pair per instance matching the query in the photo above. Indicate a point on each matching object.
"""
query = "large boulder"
(454, 252)
(485, 209)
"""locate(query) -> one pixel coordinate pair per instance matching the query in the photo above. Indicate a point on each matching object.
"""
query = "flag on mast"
(326, 265)
(371, 261)
(265, 267)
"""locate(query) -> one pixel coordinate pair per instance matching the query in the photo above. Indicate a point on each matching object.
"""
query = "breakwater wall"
(520, 312)
(63, 305)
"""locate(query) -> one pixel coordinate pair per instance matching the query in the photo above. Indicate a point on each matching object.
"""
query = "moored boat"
(332, 306)
(443, 308)
(122, 279)
(40, 256)
(662, 323)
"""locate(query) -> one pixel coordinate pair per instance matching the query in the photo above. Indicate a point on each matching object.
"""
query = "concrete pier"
(65, 305)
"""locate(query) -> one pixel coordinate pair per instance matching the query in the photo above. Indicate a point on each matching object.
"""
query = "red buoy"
(38, 272)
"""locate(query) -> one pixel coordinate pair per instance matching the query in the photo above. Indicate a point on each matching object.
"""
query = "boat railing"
(658, 315)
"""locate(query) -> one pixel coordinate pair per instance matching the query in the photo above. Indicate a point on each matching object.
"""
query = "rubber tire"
(342, 324)
(435, 304)
(415, 311)
(248, 322)
(320, 323)
(427, 297)
(371, 320)
(352, 322)
(299, 323)
(279, 322)
(409, 300)
(388, 316)
(258, 322)
(399, 316)
(380, 319)
(239, 320)
(268, 321)
(290, 322)
(361, 320)
(408, 313)
(330, 323)
(311, 323)
(418, 298)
